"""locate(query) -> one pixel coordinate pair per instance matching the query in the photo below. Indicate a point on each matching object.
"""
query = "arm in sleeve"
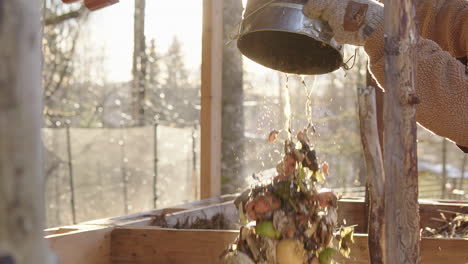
(446, 23)
(441, 84)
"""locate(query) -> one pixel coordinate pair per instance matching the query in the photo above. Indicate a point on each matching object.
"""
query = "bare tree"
(233, 98)
(61, 29)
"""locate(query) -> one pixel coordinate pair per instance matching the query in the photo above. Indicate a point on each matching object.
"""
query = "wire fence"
(98, 173)
(105, 172)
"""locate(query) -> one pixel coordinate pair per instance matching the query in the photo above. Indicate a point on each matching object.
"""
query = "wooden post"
(443, 184)
(123, 170)
(194, 164)
(462, 176)
(212, 53)
(70, 175)
(22, 200)
(380, 129)
(401, 176)
(155, 166)
(374, 172)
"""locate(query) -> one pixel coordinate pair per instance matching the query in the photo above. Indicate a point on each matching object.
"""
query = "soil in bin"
(217, 222)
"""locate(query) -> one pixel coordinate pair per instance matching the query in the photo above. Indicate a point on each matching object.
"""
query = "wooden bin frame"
(132, 239)
(129, 239)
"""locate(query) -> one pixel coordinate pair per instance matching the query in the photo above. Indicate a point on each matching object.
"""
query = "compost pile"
(216, 222)
(452, 227)
(288, 219)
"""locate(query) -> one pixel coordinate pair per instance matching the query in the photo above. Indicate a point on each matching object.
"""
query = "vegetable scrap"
(290, 219)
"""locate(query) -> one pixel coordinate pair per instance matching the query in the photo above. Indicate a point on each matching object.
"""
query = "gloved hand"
(352, 21)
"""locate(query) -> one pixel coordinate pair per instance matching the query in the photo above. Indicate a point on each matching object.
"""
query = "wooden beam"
(402, 233)
(374, 171)
(212, 53)
(154, 245)
(22, 201)
(91, 242)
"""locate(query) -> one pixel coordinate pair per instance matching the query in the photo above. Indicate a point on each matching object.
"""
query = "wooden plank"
(353, 212)
(88, 246)
(211, 92)
(92, 242)
(374, 171)
(402, 234)
(153, 246)
(435, 250)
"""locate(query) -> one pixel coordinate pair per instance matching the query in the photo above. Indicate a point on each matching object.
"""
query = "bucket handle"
(345, 65)
(236, 32)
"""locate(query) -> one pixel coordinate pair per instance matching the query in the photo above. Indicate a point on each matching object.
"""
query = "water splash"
(308, 106)
(287, 108)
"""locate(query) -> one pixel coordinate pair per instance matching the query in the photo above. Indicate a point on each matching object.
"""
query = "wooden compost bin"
(132, 239)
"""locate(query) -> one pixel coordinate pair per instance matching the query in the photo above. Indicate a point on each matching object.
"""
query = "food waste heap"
(289, 219)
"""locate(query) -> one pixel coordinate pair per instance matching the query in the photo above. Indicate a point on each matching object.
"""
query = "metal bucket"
(276, 34)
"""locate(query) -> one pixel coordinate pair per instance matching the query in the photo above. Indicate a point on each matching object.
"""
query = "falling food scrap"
(288, 220)
(325, 168)
(273, 136)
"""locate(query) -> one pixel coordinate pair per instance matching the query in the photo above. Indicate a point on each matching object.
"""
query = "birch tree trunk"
(22, 210)
(402, 236)
(374, 172)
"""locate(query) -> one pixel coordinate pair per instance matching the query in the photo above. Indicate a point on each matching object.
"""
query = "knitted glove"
(352, 21)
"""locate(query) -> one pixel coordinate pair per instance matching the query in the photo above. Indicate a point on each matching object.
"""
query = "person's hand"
(352, 21)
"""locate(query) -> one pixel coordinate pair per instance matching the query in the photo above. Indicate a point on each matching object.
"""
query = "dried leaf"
(347, 238)
(319, 177)
(242, 219)
(298, 145)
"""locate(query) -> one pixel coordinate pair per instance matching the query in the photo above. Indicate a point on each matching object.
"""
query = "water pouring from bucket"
(277, 35)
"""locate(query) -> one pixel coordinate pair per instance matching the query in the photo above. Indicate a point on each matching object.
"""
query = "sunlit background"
(110, 32)
(102, 161)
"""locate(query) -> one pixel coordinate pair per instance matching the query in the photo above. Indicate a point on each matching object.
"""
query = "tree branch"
(50, 21)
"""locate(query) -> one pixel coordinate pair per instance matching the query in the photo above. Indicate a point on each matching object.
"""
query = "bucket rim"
(338, 48)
